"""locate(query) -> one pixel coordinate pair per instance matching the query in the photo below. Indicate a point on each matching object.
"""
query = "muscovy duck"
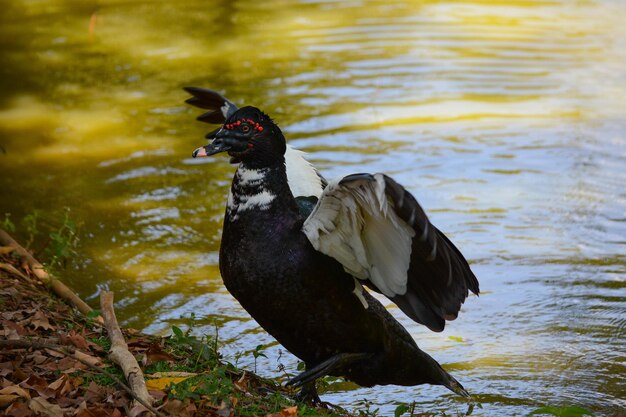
(296, 252)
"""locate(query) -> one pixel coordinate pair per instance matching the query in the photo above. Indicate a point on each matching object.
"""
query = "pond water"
(506, 119)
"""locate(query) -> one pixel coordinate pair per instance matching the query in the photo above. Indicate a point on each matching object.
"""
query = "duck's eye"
(245, 128)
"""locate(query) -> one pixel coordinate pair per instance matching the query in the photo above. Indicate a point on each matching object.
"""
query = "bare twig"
(37, 344)
(119, 350)
(58, 287)
(13, 270)
(71, 352)
(50, 344)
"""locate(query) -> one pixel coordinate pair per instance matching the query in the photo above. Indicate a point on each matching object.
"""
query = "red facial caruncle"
(256, 126)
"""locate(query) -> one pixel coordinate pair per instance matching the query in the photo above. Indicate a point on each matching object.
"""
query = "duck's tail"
(435, 374)
(456, 387)
(452, 384)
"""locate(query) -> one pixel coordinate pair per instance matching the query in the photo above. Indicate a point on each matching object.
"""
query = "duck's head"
(249, 136)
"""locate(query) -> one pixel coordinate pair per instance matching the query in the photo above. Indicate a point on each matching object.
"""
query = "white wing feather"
(303, 178)
(355, 223)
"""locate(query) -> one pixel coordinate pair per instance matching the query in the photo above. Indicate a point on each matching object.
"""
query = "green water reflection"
(504, 118)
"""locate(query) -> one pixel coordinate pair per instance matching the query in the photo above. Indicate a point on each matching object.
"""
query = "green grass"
(101, 379)
(222, 383)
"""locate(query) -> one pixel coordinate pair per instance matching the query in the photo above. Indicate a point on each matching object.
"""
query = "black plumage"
(439, 300)
(296, 262)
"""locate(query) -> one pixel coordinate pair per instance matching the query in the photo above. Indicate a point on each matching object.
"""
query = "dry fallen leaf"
(91, 412)
(76, 381)
(58, 383)
(6, 368)
(94, 393)
(191, 409)
(289, 412)
(286, 412)
(38, 358)
(157, 394)
(162, 383)
(11, 334)
(175, 408)
(11, 315)
(155, 354)
(18, 409)
(12, 331)
(75, 339)
(43, 407)
(36, 383)
(6, 399)
(14, 389)
(69, 365)
(39, 320)
(20, 374)
(137, 410)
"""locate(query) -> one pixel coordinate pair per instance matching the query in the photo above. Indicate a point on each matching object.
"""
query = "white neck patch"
(250, 192)
(250, 177)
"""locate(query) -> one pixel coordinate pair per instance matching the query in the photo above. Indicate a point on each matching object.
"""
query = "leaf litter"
(53, 362)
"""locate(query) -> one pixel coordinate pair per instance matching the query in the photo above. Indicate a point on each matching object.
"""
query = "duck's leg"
(308, 394)
(324, 368)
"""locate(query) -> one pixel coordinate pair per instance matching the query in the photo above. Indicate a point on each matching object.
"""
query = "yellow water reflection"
(504, 118)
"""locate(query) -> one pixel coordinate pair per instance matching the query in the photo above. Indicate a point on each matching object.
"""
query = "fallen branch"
(57, 286)
(70, 351)
(119, 351)
(76, 354)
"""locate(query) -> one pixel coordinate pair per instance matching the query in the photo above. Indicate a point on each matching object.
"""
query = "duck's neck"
(258, 191)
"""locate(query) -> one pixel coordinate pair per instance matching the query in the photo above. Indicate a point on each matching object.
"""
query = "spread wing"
(380, 234)
(304, 180)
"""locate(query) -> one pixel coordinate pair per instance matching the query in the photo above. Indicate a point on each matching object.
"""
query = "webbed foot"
(308, 395)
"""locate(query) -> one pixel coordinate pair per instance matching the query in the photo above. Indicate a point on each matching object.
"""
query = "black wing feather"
(221, 108)
(215, 117)
(439, 277)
